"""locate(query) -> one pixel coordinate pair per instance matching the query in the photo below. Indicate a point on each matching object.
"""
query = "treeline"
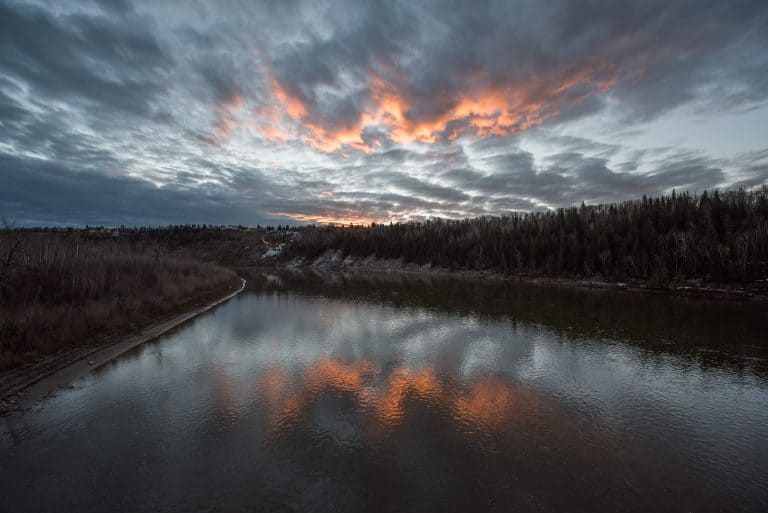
(226, 245)
(718, 236)
(62, 289)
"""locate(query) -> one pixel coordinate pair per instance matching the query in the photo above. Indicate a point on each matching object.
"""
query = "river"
(311, 392)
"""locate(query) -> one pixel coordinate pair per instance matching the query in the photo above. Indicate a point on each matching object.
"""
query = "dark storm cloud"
(43, 193)
(583, 145)
(39, 192)
(10, 110)
(118, 6)
(221, 80)
(569, 178)
(557, 57)
(95, 59)
(240, 112)
(424, 189)
(364, 34)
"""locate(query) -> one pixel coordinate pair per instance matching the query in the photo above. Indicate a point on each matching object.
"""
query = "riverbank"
(336, 261)
(24, 386)
(60, 290)
(306, 375)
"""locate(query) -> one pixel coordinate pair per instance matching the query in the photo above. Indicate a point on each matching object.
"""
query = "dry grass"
(61, 290)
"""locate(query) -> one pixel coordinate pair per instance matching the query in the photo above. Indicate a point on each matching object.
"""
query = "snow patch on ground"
(336, 260)
(276, 243)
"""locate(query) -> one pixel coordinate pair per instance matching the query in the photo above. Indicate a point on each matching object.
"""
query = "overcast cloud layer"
(233, 112)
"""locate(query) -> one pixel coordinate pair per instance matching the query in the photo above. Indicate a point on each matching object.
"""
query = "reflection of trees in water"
(712, 333)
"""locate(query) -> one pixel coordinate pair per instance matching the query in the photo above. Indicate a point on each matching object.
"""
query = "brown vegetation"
(62, 289)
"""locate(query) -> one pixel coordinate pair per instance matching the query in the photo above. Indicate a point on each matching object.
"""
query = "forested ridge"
(718, 236)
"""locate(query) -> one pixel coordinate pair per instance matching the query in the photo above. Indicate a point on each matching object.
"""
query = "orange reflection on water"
(331, 373)
(486, 403)
(422, 384)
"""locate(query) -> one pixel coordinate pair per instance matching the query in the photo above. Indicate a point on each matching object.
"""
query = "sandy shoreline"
(42, 381)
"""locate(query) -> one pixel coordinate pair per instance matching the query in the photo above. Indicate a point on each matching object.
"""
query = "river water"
(342, 393)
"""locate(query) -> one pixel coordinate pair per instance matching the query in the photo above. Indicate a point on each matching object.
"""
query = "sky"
(282, 112)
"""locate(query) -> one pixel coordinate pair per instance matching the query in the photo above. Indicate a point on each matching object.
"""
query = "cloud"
(437, 72)
(116, 64)
(37, 192)
(569, 178)
(119, 111)
(40, 192)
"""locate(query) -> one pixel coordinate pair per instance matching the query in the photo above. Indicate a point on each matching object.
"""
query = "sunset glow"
(485, 405)
(383, 256)
(353, 113)
(329, 218)
(488, 111)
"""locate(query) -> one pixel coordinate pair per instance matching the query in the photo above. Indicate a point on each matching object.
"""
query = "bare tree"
(10, 251)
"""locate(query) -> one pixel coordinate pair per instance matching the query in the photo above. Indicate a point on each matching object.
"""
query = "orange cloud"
(292, 104)
(482, 110)
(490, 110)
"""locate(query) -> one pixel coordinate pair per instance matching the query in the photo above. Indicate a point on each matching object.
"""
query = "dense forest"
(717, 236)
